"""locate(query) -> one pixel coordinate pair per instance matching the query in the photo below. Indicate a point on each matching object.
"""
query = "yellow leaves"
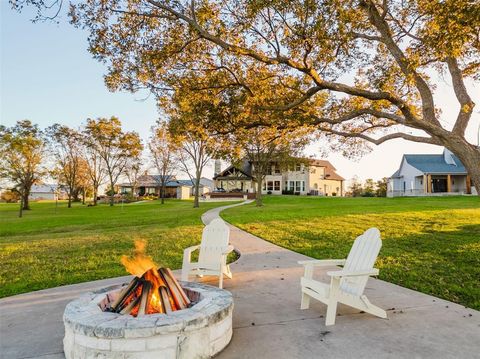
(467, 108)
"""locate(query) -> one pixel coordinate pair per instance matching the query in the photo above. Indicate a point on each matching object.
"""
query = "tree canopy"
(358, 70)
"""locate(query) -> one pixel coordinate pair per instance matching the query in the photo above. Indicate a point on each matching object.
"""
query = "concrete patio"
(267, 320)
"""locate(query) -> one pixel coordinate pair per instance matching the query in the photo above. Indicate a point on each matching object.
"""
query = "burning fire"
(152, 290)
(140, 263)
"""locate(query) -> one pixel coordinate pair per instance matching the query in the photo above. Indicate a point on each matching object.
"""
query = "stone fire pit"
(200, 331)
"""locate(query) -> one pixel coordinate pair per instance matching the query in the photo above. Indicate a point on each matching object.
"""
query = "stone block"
(219, 329)
(92, 342)
(161, 342)
(128, 345)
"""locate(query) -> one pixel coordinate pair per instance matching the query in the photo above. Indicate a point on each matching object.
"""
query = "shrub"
(10, 196)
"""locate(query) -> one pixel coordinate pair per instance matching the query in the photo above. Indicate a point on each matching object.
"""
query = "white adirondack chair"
(347, 284)
(212, 259)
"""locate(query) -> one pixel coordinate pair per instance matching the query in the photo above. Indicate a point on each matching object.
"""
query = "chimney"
(448, 157)
(217, 167)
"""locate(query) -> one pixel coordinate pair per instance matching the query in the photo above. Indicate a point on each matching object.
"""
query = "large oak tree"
(373, 60)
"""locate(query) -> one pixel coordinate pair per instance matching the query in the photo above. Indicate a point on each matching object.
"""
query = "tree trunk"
(83, 196)
(162, 194)
(95, 191)
(20, 213)
(70, 194)
(196, 202)
(26, 193)
(470, 157)
(112, 192)
(258, 195)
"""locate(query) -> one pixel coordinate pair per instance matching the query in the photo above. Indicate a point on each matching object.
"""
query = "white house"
(427, 175)
(311, 176)
(47, 192)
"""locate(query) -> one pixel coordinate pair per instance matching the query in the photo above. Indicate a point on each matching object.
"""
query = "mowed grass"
(429, 244)
(48, 247)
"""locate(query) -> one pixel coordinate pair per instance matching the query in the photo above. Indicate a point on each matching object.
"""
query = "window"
(270, 185)
(298, 186)
(303, 186)
(314, 170)
(315, 186)
(277, 169)
(291, 186)
(298, 167)
(264, 186)
(276, 186)
(286, 185)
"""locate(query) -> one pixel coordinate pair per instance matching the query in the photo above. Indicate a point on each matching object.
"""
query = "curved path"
(267, 320)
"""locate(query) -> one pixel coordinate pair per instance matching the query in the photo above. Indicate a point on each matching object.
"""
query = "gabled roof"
(396, 174)
(47, 188)
(151, 180)
(435, 164)
(245, 168)
(330, 170)
(330, 174)
(321, 163)
(155, 181)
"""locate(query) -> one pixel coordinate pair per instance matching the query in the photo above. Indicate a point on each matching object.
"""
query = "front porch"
(446, 183)
(430, 185)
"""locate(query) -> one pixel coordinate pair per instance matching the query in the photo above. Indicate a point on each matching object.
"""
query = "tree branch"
(466, 103)
(380, 140)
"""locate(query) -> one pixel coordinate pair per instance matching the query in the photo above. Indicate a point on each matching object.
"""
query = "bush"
(269, 192)
(287, 191)
(10, 196)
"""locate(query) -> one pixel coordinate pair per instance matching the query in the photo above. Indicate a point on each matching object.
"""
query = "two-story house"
(311, 176)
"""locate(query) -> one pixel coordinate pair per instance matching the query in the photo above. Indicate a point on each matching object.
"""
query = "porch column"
(449, 183)
(468, 183)
(425, 186)
(429, 183)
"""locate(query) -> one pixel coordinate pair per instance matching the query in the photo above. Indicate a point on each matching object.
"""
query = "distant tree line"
(78, 160)
(369, 188)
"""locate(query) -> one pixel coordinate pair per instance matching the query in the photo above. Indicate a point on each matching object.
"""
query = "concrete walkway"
(267, 320)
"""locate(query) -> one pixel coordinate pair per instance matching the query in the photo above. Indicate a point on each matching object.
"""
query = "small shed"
(183, 192)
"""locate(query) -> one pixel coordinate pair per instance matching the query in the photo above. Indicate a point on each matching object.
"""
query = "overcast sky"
(48, 76)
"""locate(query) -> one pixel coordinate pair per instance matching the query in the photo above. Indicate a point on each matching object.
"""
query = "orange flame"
(140, 263)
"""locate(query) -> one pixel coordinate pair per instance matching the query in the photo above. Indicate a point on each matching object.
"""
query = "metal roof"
(435, 164)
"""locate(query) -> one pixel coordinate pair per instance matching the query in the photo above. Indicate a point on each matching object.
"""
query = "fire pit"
(152, 316)
(200, 331)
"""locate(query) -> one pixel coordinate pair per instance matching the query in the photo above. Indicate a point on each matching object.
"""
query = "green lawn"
(48, 248)
(429, 244)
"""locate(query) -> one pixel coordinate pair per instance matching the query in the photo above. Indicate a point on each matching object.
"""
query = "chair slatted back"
(362, 256)
(215, 240)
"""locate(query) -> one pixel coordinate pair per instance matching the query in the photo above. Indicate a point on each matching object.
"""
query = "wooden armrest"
(323, 262)
(344, 273)
(230, 248)
(191, 249)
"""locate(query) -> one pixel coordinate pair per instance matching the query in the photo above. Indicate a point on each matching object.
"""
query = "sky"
(48, 76)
